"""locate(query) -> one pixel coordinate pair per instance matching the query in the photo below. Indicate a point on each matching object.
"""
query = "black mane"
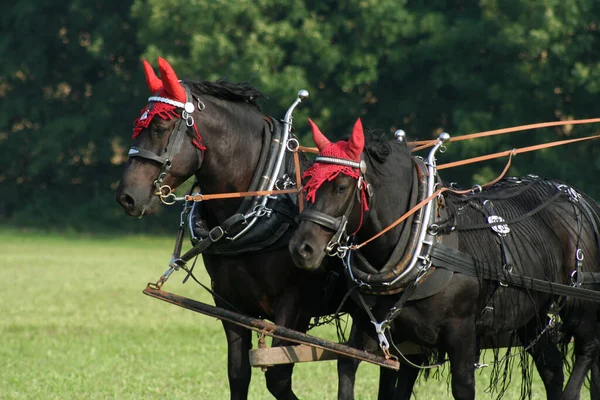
(229, 91)
(380, 149)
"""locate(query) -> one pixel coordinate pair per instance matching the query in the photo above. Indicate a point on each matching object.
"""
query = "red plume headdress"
(168, 96)
(321, 172)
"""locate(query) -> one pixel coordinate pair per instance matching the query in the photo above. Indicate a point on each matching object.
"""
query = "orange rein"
(422, 145)
(459, 163)
(428, 143)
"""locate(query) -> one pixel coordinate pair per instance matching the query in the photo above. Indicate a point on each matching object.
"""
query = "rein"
(428, 143)
(423, 144)
(509, 153)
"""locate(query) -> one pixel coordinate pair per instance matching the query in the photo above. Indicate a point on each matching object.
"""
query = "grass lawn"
(75, 325)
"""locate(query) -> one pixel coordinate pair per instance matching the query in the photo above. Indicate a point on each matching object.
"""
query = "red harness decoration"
(169, 89)
(319, 172)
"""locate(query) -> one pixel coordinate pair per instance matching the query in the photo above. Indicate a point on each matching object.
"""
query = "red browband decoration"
(168, 88)
(322, 172)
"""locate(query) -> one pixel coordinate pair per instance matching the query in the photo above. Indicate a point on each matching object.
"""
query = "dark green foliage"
(71, 83)
(68, 96)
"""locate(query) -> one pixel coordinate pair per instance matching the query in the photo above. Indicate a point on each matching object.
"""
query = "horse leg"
(346, 366)
(460, 342)
(387, 383)
(586, 354)
(546, 356)
(587, 347)
(407, 376)
(595, 381)
(279, 377)
(239, 343)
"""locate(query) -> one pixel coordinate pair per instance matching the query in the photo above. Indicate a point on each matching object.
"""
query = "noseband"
(338, 245)
(165, 192)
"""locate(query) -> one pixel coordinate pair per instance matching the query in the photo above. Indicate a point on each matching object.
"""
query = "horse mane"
(241, 92)
(387, 156)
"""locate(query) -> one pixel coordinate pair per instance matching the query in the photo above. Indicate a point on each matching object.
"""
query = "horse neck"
(232, 133)
(390, 200)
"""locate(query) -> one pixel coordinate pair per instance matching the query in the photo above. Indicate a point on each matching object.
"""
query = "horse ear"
(356, 143)
(154, 84)
(171, 84)
(320, 140)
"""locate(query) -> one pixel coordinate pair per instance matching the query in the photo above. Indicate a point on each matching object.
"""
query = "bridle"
(338, 244)
(176, 139)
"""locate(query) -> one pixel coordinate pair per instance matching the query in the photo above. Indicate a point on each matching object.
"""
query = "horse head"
(180, 122)
(331, 191)
(162, 155)
(347, 179)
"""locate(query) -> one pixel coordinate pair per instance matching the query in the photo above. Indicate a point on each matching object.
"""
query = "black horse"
(225, 142)
(549, 232)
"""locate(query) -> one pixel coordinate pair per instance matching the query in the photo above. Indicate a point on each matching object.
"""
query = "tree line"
(72, 83)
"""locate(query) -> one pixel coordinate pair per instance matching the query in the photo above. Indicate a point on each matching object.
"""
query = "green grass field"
(75, 325)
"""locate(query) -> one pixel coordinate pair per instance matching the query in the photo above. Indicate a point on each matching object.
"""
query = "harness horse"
(464, 265)
(216, 132)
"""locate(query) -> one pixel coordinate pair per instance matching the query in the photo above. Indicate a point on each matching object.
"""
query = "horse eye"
(160, 131)
(341, 189)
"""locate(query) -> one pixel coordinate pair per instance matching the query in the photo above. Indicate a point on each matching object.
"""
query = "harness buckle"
(292, 145)
(286, 181)
(337, 246)
(380, 328)
(579, 254)
(216, 234)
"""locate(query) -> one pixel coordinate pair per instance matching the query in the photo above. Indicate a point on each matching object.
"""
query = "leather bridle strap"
(145, 154)
(322, 219)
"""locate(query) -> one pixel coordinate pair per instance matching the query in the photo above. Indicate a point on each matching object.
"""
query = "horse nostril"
(306, 250)
(126, 201)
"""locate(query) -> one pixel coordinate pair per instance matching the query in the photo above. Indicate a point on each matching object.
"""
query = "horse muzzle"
(136, 204)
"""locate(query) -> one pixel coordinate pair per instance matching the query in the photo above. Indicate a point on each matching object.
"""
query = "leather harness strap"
(456, 261)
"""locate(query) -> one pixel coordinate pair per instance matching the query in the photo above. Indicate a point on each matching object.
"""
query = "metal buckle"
(574, 279)
(337, 244)
(383, 342)
(292, 145)
(216, 234)
(433, 229)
